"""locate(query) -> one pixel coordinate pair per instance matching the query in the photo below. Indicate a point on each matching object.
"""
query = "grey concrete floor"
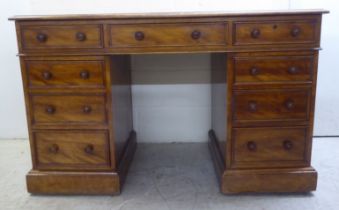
(169, 176)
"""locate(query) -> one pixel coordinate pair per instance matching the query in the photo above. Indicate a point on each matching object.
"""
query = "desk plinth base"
(89, 183)
(261, 180)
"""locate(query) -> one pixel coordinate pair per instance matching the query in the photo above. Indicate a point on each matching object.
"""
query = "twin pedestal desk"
(77, 84)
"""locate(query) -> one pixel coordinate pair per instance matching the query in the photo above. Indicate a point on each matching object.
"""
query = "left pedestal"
(79, 113)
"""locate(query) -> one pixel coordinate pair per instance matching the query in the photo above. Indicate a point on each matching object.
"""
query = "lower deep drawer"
(269, 147)
(71, 149)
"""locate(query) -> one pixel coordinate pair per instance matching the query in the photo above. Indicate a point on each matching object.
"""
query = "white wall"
(165, 109)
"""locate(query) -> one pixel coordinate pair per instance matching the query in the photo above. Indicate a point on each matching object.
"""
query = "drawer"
(269, 147)
(71, 149)
(273, 69)
(271, 105)
(58, 109)
(61, 36)
(147, 35)
(275, 32)
(65, 73)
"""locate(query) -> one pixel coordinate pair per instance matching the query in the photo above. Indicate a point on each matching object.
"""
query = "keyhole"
(275, 26)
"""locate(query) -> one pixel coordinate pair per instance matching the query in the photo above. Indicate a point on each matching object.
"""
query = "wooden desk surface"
(151, 15)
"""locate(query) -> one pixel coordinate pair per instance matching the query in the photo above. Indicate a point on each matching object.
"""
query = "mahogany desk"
(77, 84)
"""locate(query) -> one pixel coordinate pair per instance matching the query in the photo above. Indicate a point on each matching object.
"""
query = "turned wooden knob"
(50, 109)
(196, 34)
(47, 75)
(84, 74)
(251, 146)
(80, 36)
(254, 71)
(295, 31)
(87, 109)
(289, 104)
(292, 70)
(252, 106)
(54, 148)
(288, 145)
(41, 37)
(89, 149)
(255, 33)
(139, 35)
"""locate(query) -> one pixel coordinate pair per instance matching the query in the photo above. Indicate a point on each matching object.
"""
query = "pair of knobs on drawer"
(42, 37)
(54, 148)
(295, 31)
(51, 109)
(287, 145)
(139, 35)
(253, 106)
(291, 70)
(47, 75)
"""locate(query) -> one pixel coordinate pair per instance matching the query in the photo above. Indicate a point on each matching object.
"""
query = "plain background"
(171, 93)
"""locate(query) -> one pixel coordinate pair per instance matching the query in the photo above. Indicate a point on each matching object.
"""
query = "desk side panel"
(121, 103)
(219, 101)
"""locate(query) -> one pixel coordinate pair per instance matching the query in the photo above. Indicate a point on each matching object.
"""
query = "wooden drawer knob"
(54, 148)
(251, 146)
(84, 74)
(255, 33)
(139, 36)
(41, 37)
(87, 109)
(289, 104)
(254, 71)
(295, 31)
(196, 34)
(47, 75)
(288, 145)
(292, 70)
(50, 109)
(252, 106)
(80, 36)
(89, 149)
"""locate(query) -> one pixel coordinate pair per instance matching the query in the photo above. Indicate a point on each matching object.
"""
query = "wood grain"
(76, 72)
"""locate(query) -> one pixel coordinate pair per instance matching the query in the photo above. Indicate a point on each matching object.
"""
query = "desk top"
(167, 15)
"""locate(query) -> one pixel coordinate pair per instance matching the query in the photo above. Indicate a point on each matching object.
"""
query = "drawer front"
(147, 35)
(269, 147)
(58, 109)
(275, 32)
(271, 105)
(54, 74)
(61, 36)
(273, 69)
(72, 149)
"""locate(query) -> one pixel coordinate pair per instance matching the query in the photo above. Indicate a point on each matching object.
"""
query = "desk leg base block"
(269, 180)
(83, 183)
(280, 180)
(48, 182)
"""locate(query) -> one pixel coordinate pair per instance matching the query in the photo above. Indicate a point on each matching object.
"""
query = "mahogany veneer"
(77, 84)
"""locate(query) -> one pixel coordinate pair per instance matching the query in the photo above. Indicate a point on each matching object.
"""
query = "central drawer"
(271, 105)
(71, 149)
(62, 109)
(147, 35)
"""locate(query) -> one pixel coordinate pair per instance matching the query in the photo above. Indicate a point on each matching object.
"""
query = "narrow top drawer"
(275, 32)
(273, 69)
(147, 35)
(65, 73)
(61, 36)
